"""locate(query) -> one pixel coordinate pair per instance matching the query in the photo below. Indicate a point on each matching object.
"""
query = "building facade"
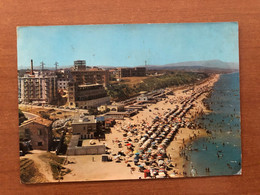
(87, 96)
(85, 126)
(39, 131)
(112, 107)
(63, 83)
(75, 149)
(82, 74)
(37, 88)
(63, 79)
(79, 65)
(131, 72)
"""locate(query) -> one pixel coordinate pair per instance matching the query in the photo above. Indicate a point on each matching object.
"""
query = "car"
(67, 107)
(21, 153)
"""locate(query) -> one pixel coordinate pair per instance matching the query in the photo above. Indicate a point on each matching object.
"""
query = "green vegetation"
(67, 139)
(22, 117)
(58, 171)
(52, 157)
(45, 115)
(168, 80)
(56, 162)
(29, 173)
(120, 92)
(93, 111)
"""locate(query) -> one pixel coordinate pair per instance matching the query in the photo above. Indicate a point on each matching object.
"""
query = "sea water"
(221, 151)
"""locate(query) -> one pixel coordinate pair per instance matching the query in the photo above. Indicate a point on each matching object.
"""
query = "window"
(39, 132)
(84, 128)
(27, 131)
(39, 143)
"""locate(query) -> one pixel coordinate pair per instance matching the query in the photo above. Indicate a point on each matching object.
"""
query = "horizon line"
(68, 66)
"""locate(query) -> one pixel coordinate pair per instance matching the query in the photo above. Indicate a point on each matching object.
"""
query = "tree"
(22, 117)
(45, 115)
(93, 111)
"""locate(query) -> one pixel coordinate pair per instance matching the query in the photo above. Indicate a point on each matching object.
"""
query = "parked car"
(21, 153)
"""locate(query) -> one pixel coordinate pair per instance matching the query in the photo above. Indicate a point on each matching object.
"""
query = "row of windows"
(63, 87)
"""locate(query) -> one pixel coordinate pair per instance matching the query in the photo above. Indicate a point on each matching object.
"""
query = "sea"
(220, 152)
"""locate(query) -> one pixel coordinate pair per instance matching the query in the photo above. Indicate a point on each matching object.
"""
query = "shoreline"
(223, 135)
(126, 169)
(184, 139)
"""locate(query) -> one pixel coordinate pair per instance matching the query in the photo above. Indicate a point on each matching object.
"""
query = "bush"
(45, 115)
(22, 117)
(93, 111)
(120, 92)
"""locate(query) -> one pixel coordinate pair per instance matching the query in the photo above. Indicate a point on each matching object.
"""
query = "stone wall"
(86, 150)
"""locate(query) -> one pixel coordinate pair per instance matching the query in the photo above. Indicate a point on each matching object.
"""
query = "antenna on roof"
(42, 65)
(56, 65)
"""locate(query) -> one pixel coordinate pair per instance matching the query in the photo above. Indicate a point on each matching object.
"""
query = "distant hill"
(195, 65)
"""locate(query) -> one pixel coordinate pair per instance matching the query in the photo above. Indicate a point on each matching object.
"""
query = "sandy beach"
(125, 138)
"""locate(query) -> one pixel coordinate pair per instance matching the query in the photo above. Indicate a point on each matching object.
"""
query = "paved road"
(58, 109)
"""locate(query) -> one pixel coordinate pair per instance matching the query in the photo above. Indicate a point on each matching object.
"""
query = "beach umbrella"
(160, 162)
(162, 174)
(115, 157)
(146, 171)
(172, 175)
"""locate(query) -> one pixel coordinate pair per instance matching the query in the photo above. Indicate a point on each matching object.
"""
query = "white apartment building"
(38, 88)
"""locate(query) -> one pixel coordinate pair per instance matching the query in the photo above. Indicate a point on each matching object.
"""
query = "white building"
(38, 88)
(63, 83)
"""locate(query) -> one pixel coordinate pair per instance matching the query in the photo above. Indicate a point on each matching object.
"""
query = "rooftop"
(95, 69)
(90, 85)
(38, 120)
(115, 112)
(84, 119)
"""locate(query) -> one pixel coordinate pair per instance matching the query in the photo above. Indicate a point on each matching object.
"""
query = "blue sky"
(127, 44)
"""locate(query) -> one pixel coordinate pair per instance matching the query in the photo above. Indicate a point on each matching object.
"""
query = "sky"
(127, 44)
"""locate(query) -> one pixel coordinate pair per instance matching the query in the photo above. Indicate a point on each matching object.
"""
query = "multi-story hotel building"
(37, 87)
(131, 72)
(87, 96)
(40, 89)
(82, 74)
(63, 78)
(86, 89)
